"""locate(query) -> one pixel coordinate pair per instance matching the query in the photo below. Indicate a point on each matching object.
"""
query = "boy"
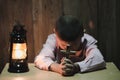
(69, 50)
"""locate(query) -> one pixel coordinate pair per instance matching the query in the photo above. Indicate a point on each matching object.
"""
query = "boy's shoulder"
(90, 39)
(52, 35)
(88, 36)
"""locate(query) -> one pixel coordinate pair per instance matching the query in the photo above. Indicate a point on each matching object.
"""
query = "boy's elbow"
(98, 66)
(103, 65)
(36, 64)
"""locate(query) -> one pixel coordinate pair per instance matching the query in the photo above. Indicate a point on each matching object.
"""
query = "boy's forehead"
(77, 39)
(69, 42)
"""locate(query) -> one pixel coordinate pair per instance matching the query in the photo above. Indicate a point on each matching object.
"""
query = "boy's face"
(63, 44)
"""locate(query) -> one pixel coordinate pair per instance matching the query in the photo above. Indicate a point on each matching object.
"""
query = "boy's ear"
(54, 30)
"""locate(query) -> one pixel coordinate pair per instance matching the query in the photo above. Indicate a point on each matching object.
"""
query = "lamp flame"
(19, 51)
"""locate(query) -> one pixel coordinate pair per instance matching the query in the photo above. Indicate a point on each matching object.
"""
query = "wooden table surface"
(110, 73)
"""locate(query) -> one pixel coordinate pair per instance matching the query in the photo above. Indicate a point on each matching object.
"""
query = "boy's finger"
(68, 61)
(62, 59)
(67, 66)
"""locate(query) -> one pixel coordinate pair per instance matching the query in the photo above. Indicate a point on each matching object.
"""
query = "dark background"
(39, 17)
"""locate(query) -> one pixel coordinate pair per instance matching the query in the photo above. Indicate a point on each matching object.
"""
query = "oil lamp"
(18, 50)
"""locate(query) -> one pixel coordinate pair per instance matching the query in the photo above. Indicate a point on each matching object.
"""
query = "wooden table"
(111, 73)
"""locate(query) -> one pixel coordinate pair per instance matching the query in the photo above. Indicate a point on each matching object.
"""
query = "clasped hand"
(68, 68)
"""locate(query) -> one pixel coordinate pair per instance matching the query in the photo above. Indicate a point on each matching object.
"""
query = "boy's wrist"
(76, 68)
(49, 68)
(54, 67)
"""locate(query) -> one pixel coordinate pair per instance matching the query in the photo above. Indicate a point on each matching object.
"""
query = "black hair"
(69, 28)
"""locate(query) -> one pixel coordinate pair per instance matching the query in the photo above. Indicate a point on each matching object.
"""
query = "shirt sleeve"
(93, 61)
(46, 56)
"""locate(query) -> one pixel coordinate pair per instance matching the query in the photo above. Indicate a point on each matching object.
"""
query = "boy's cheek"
(62, 47)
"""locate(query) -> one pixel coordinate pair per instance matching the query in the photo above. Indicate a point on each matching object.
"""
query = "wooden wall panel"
(107, 29)
(2, 39)
(45, 14)
(117, 60)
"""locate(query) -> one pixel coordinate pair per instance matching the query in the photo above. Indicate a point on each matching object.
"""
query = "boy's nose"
(65, 47)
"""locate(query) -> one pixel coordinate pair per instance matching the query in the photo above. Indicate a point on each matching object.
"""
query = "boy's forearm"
(55, 67)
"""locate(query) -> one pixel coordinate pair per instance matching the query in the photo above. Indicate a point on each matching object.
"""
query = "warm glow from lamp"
(19, 51)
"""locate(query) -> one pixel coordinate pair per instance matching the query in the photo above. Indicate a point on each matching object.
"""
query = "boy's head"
(68, 28)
